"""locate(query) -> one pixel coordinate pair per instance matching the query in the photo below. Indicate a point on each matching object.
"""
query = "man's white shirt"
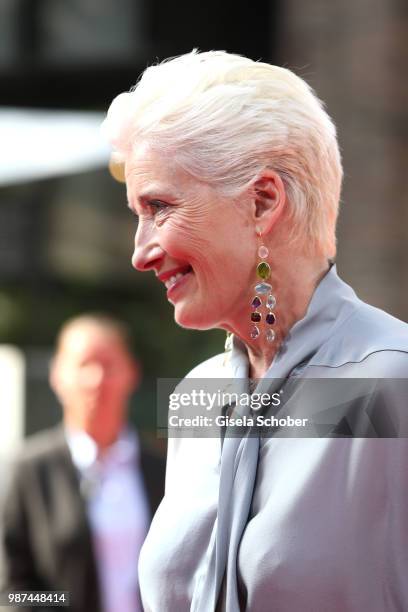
(117, 511)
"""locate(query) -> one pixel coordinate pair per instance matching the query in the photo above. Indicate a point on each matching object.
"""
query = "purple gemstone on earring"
(255, 317)
(256, 302)
(254, 332)
(270, 318)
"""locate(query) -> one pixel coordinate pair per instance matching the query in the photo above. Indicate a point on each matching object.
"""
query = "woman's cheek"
(179, 239)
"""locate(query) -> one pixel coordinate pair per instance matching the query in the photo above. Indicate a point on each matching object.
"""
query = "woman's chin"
(187, 317)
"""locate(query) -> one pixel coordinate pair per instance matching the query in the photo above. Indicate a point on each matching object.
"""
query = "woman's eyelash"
(157, 205)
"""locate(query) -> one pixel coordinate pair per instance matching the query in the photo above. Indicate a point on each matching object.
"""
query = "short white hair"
(225, 118)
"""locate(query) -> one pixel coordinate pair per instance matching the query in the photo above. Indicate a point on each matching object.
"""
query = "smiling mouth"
(176, 277)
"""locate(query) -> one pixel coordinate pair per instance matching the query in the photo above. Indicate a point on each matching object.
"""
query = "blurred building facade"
(355, 54)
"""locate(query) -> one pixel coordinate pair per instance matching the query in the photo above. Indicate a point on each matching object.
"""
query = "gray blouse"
(327, 528)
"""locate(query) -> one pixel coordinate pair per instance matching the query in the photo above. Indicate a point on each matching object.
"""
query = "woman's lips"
(176, 282)
(173, 279)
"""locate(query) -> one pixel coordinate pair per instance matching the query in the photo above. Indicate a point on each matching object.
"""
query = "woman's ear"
(269, 197)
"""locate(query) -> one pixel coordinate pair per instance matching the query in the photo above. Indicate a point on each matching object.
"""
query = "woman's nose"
(147, 254)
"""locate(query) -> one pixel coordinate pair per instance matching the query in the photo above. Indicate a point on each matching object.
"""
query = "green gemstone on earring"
(263, 270)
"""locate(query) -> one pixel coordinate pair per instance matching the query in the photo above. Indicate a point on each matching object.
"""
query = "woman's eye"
(157, 205)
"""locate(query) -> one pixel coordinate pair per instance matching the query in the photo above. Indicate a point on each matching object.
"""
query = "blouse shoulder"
(367, 333)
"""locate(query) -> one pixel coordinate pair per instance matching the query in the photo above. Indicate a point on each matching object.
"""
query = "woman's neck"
(294, 279)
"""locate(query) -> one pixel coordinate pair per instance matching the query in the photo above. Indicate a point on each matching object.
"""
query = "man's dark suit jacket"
(46, 536)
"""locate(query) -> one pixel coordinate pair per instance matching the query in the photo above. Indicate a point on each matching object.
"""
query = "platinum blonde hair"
(224, 118)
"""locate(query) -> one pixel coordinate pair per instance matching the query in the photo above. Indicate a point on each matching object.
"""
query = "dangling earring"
(263, 272)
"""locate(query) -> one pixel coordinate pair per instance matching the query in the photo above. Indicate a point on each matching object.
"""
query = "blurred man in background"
(82, 495)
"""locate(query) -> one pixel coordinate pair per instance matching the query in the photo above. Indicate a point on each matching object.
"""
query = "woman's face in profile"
(200, 244)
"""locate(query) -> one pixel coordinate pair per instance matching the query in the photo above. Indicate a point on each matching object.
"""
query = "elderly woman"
(233, 170)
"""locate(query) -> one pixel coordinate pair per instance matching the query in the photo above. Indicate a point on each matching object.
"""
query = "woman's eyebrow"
(146, 195)
(154, 192)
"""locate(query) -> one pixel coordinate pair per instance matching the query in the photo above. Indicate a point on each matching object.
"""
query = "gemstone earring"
(263, 272)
